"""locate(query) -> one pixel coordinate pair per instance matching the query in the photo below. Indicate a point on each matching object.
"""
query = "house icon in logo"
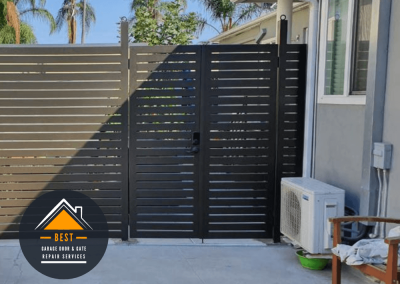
(64, 217)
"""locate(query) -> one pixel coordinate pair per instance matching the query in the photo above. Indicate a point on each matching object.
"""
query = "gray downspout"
(309, 125)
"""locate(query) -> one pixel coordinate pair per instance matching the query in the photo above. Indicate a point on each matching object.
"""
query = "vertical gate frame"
(283, 50)
(125, 109)
(202, 175)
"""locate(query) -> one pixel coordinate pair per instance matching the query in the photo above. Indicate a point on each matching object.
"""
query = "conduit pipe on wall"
(384, 207)
(380, 229)
(376, 232)
(309, 129)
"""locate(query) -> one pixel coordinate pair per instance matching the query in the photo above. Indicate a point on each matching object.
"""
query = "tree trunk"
(72, 31)
(83, 22)
(13, 21)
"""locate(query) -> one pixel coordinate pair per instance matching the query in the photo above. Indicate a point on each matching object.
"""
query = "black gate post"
(290, 107)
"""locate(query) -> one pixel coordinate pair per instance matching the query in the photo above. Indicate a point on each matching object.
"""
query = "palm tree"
(69, 12)
(15, 30)
(230, 15)
(157, 10)
(29, 8)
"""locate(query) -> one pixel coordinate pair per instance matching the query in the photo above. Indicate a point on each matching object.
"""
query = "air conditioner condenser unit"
(306, 206)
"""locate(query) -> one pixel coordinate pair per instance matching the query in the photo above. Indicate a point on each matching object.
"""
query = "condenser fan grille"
(291, 213)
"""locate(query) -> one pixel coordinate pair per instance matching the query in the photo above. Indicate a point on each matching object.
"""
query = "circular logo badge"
(63, 234)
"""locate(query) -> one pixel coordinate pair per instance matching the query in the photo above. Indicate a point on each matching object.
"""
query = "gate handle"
(193, 150)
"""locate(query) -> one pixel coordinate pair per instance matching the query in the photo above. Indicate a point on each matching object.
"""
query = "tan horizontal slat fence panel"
(63, 126)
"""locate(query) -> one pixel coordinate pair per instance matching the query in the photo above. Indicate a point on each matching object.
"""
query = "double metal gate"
(211, 137)
(212, 129)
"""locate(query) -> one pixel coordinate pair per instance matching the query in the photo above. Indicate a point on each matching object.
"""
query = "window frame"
(347, 97)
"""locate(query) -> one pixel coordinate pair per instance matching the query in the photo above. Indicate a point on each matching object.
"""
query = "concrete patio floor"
(182, 262)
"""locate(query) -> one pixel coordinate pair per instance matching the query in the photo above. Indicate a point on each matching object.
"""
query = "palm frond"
(7, 35)
(246, 12)
(27, 34)
(62, 16)
(90, 17)
(43, 15)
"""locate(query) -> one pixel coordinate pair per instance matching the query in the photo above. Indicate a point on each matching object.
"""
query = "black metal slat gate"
(210, 138)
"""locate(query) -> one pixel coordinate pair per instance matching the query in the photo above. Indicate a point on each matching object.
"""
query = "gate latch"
(195, 142)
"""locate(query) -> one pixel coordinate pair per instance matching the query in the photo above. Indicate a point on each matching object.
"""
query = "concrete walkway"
(181, 262)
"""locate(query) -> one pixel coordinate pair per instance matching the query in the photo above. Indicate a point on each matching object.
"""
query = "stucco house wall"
(339, 148)
(247, 33)
(391, 130)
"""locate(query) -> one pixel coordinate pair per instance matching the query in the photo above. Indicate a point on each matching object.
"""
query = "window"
(361, 46)
(345, 32)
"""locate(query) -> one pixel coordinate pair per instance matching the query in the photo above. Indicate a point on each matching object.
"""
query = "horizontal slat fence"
(63, 125)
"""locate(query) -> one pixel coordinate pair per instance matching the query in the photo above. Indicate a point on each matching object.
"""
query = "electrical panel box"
(382, 155)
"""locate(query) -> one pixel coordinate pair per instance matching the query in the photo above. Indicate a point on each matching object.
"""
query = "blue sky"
(108, 13)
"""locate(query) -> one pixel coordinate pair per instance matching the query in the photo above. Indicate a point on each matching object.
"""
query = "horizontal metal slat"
(164, 218)
(61, 185)
(164, 201)
(168, 57)
(242, 56)
(61, 68)
(238, 185)
(61, 59)
(238, 193)
(164, 210)
(164, 49)
(60, 119)
(242, 74)
(240, 109)
(62, 136)
(59, 177)
(237, 202)
(240, 177)
(27, 202)
(164, 169)
(58, 128)
(164, 185)
(164, 75)
(242, 65)
(237, 227)
(164, 177)
(242, 83)
(36, 194)
(164, 193)
(164, 226)
(166, 66)
(166, 84)
(240, 143)
(163, 101)
(57, 111)
(164, 118)
(60, 169)
(237, 219)
(60, 161)
(50, 50)
(59, 85)
(61, 77)
(164, 110)
(270, 48)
